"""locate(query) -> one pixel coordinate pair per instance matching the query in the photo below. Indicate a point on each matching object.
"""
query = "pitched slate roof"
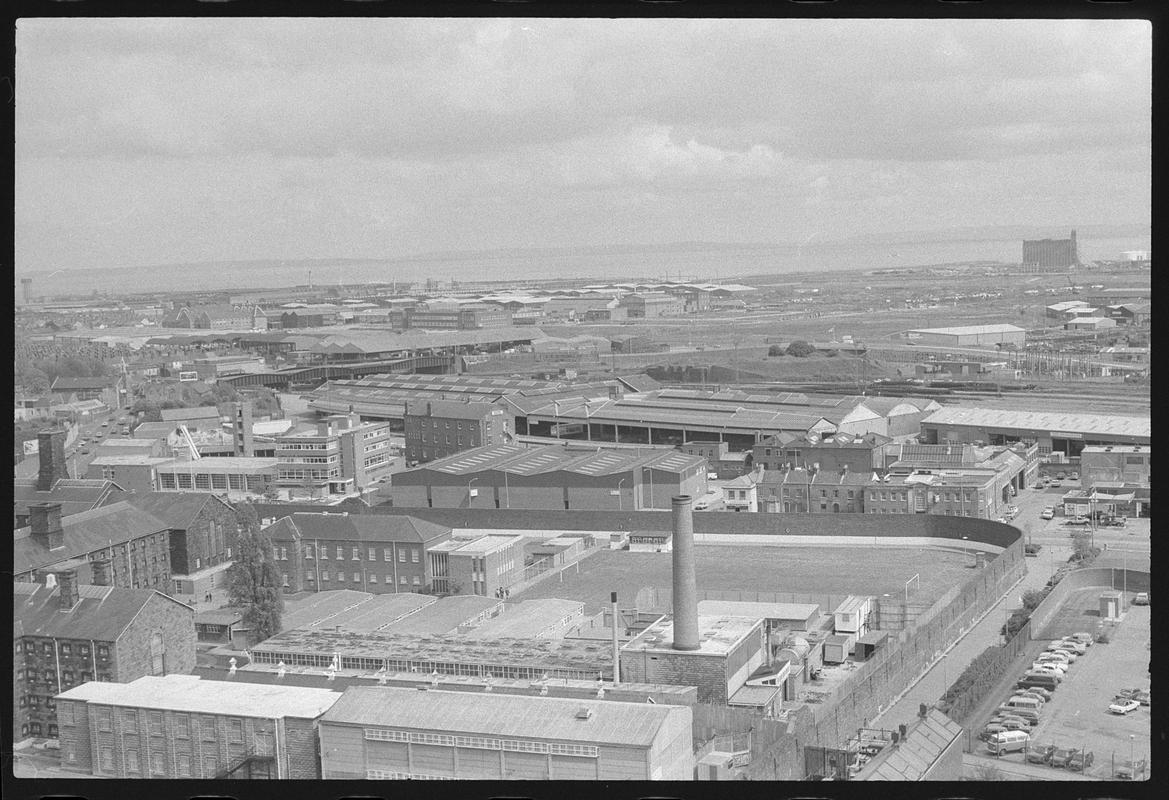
(74, 384)
(180, 414)
(85, 533)
(913, 757)
(358, 528)
(177, 509)
(101, 615)
(74, 494)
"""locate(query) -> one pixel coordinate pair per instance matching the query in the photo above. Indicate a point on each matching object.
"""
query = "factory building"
(375, 733)
(1052, 431)
(970, 336)
(859, 454)
(551, 477)
(484, 566)
(649, 305)
(1045, 254)
(1090, 324)
(180, 726)
(234, 476)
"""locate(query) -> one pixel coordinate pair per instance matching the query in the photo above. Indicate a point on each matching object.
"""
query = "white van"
(1019, 701)
(1008, 742)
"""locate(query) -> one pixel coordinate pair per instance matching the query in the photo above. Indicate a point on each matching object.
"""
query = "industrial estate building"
(552, 476)
(1046, 254)
(1052, 431)
(179, 726)
(342, 456)
(971, 336)
(376, 733)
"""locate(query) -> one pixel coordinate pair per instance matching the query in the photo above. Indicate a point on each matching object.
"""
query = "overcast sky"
(162, 141)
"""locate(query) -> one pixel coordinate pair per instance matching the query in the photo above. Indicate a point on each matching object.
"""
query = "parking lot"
(1077, 716)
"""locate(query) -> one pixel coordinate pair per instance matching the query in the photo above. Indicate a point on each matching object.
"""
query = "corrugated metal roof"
(970, 330)
(505, 715)
(1043, 421)
(189, 693)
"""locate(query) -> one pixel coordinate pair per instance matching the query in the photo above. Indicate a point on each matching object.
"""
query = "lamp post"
(617, 492)
(965, 539)
(471, 493)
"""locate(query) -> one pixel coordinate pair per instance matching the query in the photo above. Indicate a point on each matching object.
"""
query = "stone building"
(66, 634)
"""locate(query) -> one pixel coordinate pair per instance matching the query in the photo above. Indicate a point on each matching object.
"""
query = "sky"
(168, 141)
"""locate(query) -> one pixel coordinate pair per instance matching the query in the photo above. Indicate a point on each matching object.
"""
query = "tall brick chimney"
(45, 521)
(51, 454)
(66, 575)
(100, 568)
(685, 579)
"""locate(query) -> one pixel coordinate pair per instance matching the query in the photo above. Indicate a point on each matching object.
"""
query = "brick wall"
(174, 623)
(55, 666)
(76, 749)
(707, 673)
(204, 543)
(300, 749)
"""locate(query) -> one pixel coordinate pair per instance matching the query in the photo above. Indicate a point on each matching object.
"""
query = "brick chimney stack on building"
(101, 571)
(51, 454)
(45, 521)
(66, 574)
(685, 580)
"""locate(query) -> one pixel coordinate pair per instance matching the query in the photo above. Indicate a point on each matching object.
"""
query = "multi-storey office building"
(179, 726)
(377, 554)
(439, 428)
(392, 733)
(479, 566)
(68, 634)
(342, 456)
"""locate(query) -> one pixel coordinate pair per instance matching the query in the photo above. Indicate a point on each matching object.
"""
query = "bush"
(775, 350)
(978, 679)
(800, 349)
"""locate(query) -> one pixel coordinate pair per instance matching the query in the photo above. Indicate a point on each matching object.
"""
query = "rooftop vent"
(584, 713)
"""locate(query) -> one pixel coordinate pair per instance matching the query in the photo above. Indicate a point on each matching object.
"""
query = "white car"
(1049, 668)
(1047, 513)
(1053, 659)
(1069, 644)
(1085, 639)
(701, 505)
(1124, 706)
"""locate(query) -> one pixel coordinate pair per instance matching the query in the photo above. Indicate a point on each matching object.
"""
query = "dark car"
(1040, 754)
(1081, 760)
(1130, 770)
(1060, 757)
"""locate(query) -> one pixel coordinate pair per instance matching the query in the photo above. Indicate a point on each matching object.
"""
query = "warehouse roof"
(101, 614)
(593, 461)
(568, 654)
(1042, 421)
(376, 612)
(447, 615)
(84, 533)
(527, 619)
(453, 409)
(507, 715)
(227, 465)
(332, 527)
(971, 330)
(188, 693)
(320, 606)
(177, 509)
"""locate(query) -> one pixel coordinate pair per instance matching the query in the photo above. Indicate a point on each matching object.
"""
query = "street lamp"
(965, 539)
(471, 492)
(617, 492)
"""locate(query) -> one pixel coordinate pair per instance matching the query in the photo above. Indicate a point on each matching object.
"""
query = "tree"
(254, 584)
(775, 350)
(1032, 598)
(800, 349)
(1082, 549)
(988, 772)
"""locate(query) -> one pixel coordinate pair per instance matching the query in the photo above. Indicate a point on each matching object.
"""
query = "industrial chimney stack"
(685, 580)
(51, 456)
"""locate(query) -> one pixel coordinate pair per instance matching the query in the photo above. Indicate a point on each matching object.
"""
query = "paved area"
(975, 767)
(1077, 715)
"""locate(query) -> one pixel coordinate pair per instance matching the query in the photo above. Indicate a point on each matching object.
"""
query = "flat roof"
(445, 616)
(718, 635)
(232, 464)
(851, 603)
(1117, 448)
(753, 696)
(779, 611)
(507, 715)
(189, 693)
(1097, 424)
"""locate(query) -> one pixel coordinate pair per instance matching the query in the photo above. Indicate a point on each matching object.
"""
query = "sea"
(698, 262)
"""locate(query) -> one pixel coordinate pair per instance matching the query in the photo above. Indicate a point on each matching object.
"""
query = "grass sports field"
(729, 568)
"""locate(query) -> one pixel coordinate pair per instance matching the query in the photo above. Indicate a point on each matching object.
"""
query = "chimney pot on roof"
(101, 571)
(45, 522)
(67, 584)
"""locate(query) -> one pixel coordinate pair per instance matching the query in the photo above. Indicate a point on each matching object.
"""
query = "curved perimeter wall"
(1101, 577)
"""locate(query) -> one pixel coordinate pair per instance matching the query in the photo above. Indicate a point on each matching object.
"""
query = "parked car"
(1053, 484)
(1081, 760)
(1123, 706)
(1075, 476)
(1085, 639)
(1065, 654)
(1047, 513)
(1008, 742)
(701, 505)
(990, 730)
(1061, 475)
(1031, 693)
(1013, 723)
(1142, 599)
(1049, 668)
(1144, 698)
(1077, 520)
(1069, 644)
(1130, 770)
(1036, 691)
(1060, 756)
(1040, 754)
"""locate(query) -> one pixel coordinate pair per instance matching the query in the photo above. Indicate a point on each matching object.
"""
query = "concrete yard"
(765, 569)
